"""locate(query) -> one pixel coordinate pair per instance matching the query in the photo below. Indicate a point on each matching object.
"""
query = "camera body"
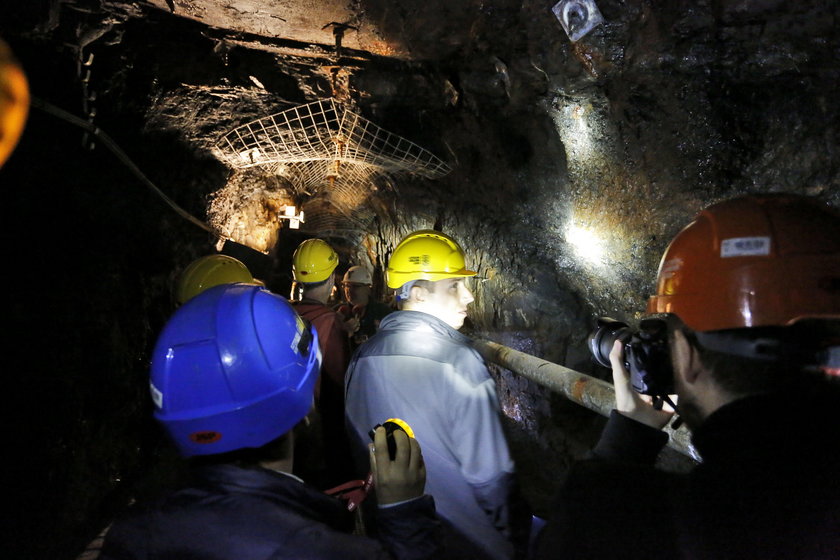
(646, 354)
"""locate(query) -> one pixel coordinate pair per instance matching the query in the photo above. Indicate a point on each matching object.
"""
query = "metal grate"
(325, 131)
(330, 157)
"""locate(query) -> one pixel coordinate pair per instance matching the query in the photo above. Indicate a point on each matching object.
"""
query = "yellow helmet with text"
(426, 255)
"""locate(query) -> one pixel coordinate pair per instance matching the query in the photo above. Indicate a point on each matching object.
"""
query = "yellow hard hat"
(314, 260)
(14, 102)
(426, 255)
(210, 271)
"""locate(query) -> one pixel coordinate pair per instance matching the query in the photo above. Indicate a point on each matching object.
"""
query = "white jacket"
(423, 371)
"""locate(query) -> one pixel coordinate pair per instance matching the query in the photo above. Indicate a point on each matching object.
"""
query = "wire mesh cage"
(331, 157)
(325, 131)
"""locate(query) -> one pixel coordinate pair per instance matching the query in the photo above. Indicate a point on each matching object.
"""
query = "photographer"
(747, 321)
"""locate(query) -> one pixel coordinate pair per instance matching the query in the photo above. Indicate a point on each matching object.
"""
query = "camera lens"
(604, 336)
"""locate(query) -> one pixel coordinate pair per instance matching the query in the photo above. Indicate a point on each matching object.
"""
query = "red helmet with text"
(753, 261)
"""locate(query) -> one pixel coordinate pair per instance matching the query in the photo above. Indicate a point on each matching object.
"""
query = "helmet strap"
(660, 400)
(405, 291)
(763, 348)
(795, 344)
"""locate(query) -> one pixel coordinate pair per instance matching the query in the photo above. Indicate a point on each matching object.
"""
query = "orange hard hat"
(753, 261)
(14, 101)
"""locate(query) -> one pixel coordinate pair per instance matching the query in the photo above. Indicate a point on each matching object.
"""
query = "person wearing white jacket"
(419, 368)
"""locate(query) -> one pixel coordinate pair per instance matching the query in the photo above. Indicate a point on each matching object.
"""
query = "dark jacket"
(369, 315)
(767, 488)
(251, 514)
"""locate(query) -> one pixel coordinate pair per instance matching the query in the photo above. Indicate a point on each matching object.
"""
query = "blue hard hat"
(235, 367)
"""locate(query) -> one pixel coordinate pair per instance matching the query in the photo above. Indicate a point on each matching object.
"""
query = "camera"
(646, 354)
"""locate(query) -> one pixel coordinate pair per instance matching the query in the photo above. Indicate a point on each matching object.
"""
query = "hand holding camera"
(641, 366)
(629, 401)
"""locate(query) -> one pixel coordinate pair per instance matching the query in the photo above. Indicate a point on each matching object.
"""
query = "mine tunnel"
(563, 149)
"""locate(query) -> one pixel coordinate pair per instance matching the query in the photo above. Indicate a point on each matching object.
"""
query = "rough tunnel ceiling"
(493, 64)
(495, 89)
(617, 121)
(326, 22)
(325, 45)
(490, 101)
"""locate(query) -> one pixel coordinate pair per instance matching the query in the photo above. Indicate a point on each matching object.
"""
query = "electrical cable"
(122, 156)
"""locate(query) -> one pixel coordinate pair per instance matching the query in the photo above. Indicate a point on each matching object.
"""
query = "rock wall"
(573, 165)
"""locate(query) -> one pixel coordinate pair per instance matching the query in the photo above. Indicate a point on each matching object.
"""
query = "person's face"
(449, 301)
(357, 294)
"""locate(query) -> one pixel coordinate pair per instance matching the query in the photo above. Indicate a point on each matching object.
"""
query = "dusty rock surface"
(573, 164)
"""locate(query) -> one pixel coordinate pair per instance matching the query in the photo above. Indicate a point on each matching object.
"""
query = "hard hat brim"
(397, 278)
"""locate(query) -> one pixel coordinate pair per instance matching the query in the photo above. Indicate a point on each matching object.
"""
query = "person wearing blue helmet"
(233, 372)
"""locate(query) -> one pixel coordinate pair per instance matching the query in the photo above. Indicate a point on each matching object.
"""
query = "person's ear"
(686, 358)
(418, 293)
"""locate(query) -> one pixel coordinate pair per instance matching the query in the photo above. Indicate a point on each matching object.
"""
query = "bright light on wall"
(586, 243)
(590, 227)
(572, 121)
